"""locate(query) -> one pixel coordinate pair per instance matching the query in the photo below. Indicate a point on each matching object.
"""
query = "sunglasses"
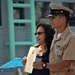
(38, 33)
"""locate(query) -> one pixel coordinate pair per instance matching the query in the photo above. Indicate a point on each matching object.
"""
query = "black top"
(44, 58)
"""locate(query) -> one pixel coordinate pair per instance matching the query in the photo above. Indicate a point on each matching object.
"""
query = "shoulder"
(37, 45)
(70, 38)
(71, 35)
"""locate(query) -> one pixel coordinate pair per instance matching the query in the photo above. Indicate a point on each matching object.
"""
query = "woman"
(44, 35)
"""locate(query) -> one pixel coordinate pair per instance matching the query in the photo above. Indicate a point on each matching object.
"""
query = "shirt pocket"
(58, 49)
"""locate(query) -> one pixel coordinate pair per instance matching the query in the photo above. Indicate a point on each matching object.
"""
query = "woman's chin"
(39, 43)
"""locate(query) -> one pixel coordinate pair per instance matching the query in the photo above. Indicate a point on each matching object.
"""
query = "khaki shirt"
(63, 48)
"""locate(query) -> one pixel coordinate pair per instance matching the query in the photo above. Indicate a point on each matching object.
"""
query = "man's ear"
(64, 18)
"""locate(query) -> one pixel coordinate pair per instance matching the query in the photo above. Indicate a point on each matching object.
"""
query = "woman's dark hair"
(49, 32)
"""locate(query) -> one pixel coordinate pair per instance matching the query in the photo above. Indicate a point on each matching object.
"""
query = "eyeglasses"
(38, 33)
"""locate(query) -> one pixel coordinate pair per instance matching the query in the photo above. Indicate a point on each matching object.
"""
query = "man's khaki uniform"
(62, 48)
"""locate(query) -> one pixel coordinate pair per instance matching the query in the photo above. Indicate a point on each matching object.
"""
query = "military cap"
(57, 9)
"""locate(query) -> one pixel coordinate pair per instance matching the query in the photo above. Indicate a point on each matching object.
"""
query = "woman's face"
(40, 36)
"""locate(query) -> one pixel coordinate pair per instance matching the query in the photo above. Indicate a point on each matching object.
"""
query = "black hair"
(67, 17)
(49, 32)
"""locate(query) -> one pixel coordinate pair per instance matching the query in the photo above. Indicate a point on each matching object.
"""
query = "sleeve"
(69, 53)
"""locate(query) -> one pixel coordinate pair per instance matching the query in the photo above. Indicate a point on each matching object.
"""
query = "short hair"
(57, 9)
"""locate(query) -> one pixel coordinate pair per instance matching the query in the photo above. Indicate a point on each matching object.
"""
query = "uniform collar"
(63, 36)
(65, 32)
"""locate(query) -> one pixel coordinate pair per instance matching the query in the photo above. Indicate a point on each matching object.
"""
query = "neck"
(43, 45)
(61, 29)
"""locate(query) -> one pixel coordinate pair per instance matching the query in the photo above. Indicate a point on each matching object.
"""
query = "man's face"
(57, 21)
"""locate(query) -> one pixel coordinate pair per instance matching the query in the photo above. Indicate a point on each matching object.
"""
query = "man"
(62, 51)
